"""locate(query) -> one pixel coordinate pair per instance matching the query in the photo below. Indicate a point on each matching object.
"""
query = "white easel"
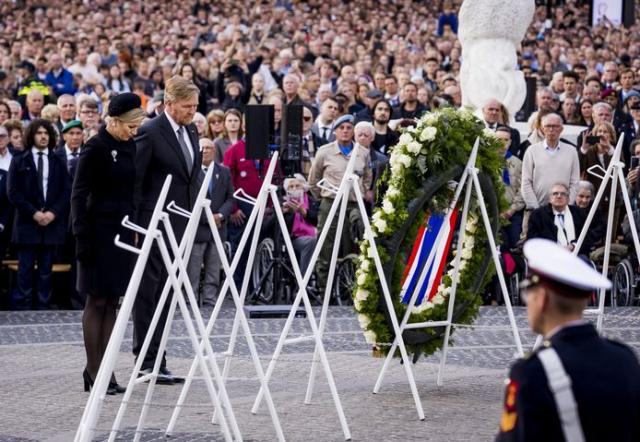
(616, 176)
(469, 180)
(268, 190)
(175, 282)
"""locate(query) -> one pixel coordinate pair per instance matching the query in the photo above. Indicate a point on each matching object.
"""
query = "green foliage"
(439, 141)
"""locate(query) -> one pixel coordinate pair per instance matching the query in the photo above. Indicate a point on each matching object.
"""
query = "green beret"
(71, 124)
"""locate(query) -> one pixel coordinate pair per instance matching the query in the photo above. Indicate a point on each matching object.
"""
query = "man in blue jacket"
(60, 79)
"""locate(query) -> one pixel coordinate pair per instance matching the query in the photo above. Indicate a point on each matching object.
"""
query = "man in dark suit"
(4, 212)
(204, 251)
(578, 386)
(69, 153)
(166, 145)
(492, 113)
(559, 222)
(39, 188)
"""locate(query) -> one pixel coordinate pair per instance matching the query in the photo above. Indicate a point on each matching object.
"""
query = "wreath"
(427, 158)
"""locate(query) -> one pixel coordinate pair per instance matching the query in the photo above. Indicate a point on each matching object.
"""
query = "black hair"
(30, 134)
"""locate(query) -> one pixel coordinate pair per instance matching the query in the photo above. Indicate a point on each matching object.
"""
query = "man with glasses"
(559, 222)
(547, 163)
(311, 142)
(577, 386)
(88, 113)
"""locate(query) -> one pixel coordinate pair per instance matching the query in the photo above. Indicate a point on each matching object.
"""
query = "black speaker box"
(260, 131)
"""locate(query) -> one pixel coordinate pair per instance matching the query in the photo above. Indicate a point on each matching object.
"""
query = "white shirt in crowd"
(45, 165)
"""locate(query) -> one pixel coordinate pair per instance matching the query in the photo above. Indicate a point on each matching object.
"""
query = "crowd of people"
(360, 69)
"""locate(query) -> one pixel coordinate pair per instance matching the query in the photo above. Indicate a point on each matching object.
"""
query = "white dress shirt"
(45, 164)
(5, 160)
(185, 134)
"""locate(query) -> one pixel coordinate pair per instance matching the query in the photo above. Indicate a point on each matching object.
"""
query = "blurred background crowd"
(361, 69)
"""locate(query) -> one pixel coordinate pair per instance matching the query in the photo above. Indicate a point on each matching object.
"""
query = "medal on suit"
(114, 154)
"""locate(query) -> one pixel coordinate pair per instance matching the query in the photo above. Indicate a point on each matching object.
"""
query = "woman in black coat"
(102, 195)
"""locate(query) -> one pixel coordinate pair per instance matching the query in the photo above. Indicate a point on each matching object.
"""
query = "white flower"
(364, 321)
(365, 265)
(488, 133)
(361, 295)
(414, 147)
(392, 192)
(405, 160)
(438, 299)
(362, 278)
(387, 206)
(357, 304)
(428, 133)
(370, 251)
(466, 254)
(381, 226)
(471, 228)
(405, 138)
(370, 337)
(429, 118)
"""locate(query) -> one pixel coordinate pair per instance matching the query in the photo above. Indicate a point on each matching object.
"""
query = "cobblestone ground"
(42, 357)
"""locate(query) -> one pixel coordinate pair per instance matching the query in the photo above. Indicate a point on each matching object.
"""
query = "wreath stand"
(615, 175)
(87, 426)
(254, 223)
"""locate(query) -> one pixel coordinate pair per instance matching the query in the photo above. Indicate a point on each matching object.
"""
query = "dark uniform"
(102, 196)
(578, 386)
(605, 378)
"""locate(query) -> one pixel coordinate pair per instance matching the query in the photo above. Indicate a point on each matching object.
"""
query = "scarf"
(566, 229)
(300, 226)
(505, 172)
(346, 150)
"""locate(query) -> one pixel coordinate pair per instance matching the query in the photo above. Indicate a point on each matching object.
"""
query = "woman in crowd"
(231, 133)
(188, 72)
(102, 195)
(215, 124)
(586, 107)
(116, 81)
(201, 124)
(16, 132)
(5, 112)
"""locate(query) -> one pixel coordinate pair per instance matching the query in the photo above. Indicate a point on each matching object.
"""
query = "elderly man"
(578, 385)
(558, 221)
(330, 164)
(547, 163)
(204, 253)
(34, 105)
(492, 115)
(67, 108)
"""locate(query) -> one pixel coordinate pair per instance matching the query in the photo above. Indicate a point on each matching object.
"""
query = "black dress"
(102, 195)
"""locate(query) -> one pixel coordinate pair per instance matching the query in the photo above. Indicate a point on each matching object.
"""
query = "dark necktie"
(73, 160)
(41, 174)
(326, 134)
(305, 149)
(185, 149)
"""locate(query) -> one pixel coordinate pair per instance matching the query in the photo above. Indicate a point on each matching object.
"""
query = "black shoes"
(165, 377)
(88, 384)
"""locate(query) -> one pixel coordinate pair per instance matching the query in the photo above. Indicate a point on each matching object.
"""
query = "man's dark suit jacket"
(542, 225)
(71, 168)
(158, 154)
(221, 196)
(4, 200)
(24, 193)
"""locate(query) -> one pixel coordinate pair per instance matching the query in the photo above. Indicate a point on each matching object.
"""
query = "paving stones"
(42, 357)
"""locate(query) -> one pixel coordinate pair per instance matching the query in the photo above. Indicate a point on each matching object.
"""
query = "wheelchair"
(626, 276)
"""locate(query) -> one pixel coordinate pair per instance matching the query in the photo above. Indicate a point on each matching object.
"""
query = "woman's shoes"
(88, 384)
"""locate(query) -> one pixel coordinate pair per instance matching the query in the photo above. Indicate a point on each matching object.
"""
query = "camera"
(635, 162)
(593, 139)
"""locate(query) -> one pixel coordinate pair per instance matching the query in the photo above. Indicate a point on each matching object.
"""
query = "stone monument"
(490, 32)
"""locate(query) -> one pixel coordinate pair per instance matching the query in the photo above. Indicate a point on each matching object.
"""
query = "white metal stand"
(616, 176)
(254, 221)
(175, 282)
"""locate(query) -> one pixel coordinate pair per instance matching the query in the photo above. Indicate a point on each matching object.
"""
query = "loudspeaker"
(260, 131)
(291, 133)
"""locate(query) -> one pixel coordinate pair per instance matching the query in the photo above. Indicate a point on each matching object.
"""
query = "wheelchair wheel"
(513, 287)
(623, 281)
(262, 272)
(345, 277)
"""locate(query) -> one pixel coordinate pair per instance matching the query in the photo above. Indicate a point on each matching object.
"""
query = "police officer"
(577, 386)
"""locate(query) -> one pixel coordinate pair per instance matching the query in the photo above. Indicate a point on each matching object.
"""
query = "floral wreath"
(441, 141)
